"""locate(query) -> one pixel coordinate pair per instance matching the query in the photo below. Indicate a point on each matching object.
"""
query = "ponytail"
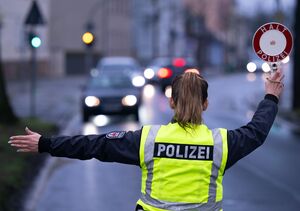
(189, 92)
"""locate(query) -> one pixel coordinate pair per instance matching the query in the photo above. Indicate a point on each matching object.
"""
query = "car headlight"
(138, 81)
(286, 60)
(265, 67)
(251, 67)
(92, 101)
(129, 100)
(168, 92)
(149, 73)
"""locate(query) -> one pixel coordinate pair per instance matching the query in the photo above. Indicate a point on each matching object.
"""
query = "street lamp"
(88, 39)
(33, 19)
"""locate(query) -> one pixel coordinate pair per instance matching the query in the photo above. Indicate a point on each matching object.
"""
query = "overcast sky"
(250, 6)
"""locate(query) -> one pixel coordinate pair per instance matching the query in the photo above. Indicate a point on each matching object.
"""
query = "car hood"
(111, 92)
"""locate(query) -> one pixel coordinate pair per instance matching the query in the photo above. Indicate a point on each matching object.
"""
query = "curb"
(39, 184)
(42, 177)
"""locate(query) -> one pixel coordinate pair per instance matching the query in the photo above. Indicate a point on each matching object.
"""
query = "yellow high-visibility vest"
(182, 169)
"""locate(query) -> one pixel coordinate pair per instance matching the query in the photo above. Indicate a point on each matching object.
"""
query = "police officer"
(182, 163)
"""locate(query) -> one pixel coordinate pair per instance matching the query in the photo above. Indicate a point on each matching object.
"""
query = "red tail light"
(164, 73)
(179, 62)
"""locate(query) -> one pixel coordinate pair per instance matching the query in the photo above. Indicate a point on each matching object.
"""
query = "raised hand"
(274, 83)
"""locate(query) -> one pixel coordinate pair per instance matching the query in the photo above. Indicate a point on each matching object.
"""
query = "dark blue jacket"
(123, 147)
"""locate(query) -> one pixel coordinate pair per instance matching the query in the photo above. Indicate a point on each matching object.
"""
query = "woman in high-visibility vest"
(183, 162)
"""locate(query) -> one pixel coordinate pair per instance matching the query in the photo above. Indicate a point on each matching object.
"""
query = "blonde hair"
(189, 92)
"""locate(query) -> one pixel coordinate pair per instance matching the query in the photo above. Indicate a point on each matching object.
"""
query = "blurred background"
(94, 66)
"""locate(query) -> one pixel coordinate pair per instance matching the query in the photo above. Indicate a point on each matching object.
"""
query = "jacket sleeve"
(246, 139)
(117, 146)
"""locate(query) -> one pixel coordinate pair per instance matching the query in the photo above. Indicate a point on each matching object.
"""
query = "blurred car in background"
(110, 93)
(151, 71)
(260, 65)
(121, 65)
(166, 69)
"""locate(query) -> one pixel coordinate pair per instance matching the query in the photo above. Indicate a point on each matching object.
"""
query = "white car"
(110, 93)
(121, 65)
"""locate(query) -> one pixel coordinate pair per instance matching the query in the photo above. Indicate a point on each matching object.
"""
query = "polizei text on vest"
(183, 151)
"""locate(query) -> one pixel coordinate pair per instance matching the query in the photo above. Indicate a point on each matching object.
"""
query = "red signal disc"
(272, 42)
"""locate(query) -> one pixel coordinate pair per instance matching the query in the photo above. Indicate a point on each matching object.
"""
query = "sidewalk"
(56, 99)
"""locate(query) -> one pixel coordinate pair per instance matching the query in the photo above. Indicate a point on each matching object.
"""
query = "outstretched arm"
(117, 146)
(246, 139)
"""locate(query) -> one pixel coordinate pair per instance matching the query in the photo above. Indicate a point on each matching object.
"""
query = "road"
(265, 180)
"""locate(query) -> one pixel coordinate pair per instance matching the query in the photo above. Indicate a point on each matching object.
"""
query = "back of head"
(189, 92)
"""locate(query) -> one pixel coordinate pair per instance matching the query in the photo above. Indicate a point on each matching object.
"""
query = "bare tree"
(7, 115)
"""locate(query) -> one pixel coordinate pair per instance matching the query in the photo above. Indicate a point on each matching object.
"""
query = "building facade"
(14, 47)
(222, 41)
(160, 29)
(62, 50)
(109, 21)
(144, 29)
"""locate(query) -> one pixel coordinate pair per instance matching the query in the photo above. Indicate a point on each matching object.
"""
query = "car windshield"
(118, 68)
(110, 81)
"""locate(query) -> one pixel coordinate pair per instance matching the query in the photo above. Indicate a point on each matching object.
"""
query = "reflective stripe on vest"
(149, 135)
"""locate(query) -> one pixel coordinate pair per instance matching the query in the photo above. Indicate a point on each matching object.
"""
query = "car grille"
(110, 100)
